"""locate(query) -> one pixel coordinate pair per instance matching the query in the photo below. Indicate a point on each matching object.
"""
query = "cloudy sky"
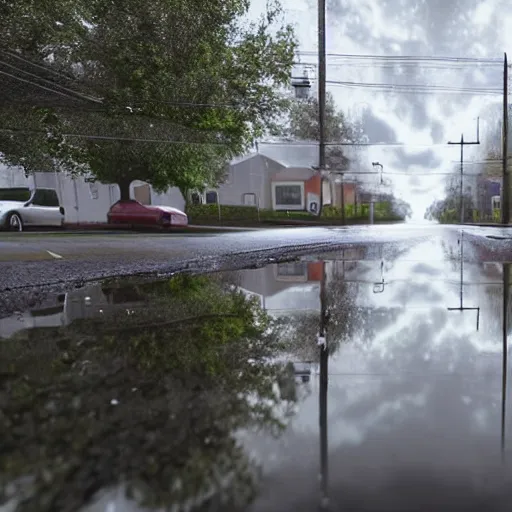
(436, 100)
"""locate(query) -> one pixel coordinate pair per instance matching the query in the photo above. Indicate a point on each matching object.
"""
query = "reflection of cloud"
(416, 400)
(418, 291)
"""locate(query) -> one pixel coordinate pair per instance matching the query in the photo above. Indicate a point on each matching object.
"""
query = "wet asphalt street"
(32, 264)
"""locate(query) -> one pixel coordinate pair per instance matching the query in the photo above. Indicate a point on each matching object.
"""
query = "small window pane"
(288, 195)
(44, 197)
(249, 199)
(291, 269)
(93, 187)
(211, 197)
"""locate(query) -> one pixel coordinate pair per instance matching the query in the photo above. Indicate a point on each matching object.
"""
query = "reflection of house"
(295, 286)
(49, 316)
(285, 287)
(80, 304)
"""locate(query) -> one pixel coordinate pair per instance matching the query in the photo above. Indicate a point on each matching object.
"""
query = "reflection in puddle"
(238, 389)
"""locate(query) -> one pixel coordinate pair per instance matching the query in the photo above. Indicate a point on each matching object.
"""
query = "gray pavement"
(35, 265)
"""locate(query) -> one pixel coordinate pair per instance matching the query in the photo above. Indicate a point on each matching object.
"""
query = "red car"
(138, 214)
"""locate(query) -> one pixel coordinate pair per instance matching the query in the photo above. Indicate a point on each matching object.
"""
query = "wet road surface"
(184, 393)
(58, 263)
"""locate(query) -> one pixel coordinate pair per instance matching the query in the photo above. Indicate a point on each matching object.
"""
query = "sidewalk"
(114, 228)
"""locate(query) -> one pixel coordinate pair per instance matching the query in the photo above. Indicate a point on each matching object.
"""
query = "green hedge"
(209, 213)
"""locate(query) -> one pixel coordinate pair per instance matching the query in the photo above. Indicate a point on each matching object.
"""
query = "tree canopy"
(303, 124)
(448, 210)
(164, 91)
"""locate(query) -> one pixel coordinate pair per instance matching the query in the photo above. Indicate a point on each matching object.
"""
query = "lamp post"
(378, 164)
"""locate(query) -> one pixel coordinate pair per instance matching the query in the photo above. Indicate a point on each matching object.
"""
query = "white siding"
(76, 195)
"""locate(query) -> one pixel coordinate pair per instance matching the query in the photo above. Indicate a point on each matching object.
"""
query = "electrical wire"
(358, 144)
(112, 138)
(60, 93)
(44, 68)
(404, 88)
(76, 93)
(408, 58)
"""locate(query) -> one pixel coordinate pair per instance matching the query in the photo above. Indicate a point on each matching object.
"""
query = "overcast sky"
(418, 28)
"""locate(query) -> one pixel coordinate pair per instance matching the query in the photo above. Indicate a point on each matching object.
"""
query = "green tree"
(303, 125)
(447, 210)
(148, 396)
(98, 86)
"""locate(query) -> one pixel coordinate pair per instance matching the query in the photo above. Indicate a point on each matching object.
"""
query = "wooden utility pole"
(463, 143)
(461, 307)
(505, 188)
(321, 97)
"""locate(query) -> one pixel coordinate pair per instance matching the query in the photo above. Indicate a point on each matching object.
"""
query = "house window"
(195, 198)
(249, 199)
(291, 269)
(288, 195)
(212, 197)
(93, 188)
(496, 203)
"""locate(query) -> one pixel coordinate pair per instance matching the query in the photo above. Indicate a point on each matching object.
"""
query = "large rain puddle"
(212, 393)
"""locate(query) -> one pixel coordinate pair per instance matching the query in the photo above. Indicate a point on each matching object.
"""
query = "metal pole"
(462, 270)
(462, 179)
(322, 396)
(343, 219)
(505, 202)
(321, 96)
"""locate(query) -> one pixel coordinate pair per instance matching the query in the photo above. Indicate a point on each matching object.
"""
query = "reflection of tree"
(343, 321)
(148, 397)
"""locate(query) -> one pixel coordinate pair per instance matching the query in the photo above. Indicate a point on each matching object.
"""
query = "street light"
(377, 164)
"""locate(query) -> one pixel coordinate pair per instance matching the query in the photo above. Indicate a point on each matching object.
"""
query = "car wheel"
(14, 222)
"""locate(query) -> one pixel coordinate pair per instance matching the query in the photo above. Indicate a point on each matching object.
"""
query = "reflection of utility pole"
(321, 97)
(324, 362)
(462, 143)
(506, 292)
(461, 307)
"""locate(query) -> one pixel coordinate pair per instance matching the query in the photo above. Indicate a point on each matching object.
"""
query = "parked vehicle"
(137, 214)
(22, 208)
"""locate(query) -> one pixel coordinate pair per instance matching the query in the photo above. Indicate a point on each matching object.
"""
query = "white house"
(86, 202)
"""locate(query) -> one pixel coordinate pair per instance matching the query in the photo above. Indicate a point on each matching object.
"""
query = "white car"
(21, 208)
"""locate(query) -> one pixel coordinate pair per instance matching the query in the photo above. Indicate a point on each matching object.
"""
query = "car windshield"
(14, 194)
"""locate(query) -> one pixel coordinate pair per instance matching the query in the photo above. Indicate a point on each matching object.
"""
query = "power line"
(53, 91)
(112, 138)
(90, 98)
(413, 87)
(44, 68)
(446, 66)
(359, 144)
(417, 88)
(419, 58)
(78, 94)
